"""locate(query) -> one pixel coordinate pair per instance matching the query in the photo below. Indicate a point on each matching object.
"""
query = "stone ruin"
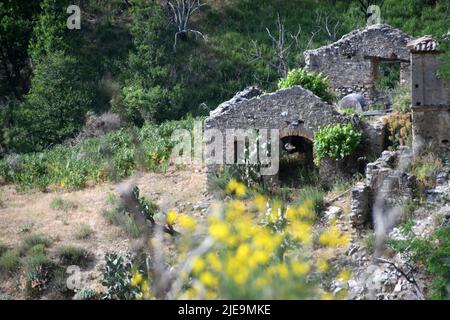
(430, 97)
(352, 64)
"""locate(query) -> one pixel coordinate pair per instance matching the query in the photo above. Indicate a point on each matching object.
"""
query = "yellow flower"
(198, 265)
(301, 231)
(171, 217)
(213, 260)
(208, 279)
(283, 271)
(333, 237)
(241, 277)
(290, 213)
(242, 252)
(327, 296)
(136, 280)
(236, 187)
(300, 268)
(260, 203)
(322, 265)
(344, 275)
(219, 231)
(186, 222)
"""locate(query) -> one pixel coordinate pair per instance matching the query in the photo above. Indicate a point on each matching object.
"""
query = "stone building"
(295, 113)
(430, 97)
(353, 64)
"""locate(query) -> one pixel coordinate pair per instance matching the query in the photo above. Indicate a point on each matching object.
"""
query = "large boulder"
(353, 101)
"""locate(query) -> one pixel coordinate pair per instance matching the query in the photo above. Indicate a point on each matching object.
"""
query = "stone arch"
(296, 156)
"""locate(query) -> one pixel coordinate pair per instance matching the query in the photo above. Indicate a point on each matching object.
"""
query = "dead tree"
(283, 43)
(182, 11)
(328, 25)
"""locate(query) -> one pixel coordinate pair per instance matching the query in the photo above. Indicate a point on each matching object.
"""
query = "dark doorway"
(296, 162)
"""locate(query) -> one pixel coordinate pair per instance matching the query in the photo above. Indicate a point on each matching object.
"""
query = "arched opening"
(296, 162)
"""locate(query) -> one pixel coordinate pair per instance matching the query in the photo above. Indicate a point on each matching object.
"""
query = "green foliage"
(425, 168)
(389, 76)
(336, 142)
(31, 240)
(399, 125)
(106, 158)
(315, 195)
(86, 294)
(116, 278)
(401, 99)
(434, 253)
(72, 255)
(84, 231)
(369, 241)
(9, 261)
(317, 83)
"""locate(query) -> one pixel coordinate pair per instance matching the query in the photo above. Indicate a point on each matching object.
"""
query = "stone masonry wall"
(351, 63)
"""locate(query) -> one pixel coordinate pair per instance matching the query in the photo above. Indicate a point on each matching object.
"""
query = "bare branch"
(182, 11)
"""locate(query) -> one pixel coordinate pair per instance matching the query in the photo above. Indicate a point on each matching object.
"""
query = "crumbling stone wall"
(387, 179)
(430, 97)
(352, 63)
(293, 112)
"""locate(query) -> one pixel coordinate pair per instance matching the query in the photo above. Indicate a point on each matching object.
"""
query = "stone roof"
(354, 36)
(423, 44)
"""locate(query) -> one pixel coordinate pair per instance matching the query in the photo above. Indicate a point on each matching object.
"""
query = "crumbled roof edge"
(226, 107)
(357, 32)
(423, 44)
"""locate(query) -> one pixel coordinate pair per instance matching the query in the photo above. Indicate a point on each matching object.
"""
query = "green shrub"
(106, 158)
(314, 194)
(117, 279)
(336, 142)
(399, 126)
(369, 241)
(433, 252)
(317, 83)
(31, 240)
(86, 294)
(72, 255)
(401, 99)
(9, 261)
(83, 231)
(425, 168)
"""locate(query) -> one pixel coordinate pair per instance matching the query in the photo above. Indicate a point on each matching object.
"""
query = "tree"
(61, 94)
(152, 91)
(182, 11)
(16, 25)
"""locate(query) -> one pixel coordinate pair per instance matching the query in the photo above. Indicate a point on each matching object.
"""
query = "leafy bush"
(336, 142)
(83, 231)
(72, 255)
(9, 261)
(434, 253)
(399, 125)
(425, 168)
(317, 83)
(117, 279)
(86, 294)
(107, 158)
(314, 195)
(31, 240)
(401, 99)
(261, 250)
